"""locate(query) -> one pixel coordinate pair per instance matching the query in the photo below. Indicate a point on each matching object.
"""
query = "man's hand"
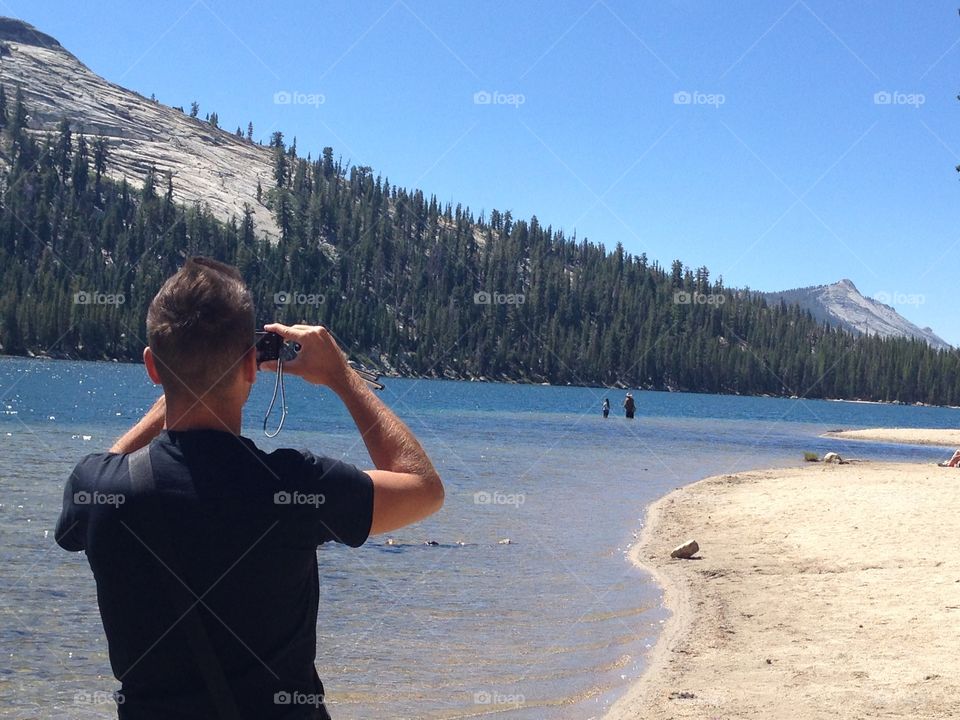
(320, 360)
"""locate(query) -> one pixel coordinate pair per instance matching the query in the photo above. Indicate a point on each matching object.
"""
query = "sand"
(826, 591)
(908, 436)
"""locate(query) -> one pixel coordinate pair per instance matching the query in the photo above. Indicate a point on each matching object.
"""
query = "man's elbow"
(437, 493)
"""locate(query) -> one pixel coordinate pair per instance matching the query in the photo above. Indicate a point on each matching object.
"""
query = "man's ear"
(250, 366)
(151, 365)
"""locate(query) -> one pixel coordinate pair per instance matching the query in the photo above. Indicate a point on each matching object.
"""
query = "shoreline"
(939, 437)
(821, 592)
(391, 372)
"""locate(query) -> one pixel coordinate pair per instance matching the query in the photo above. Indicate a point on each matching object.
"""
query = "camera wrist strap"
(283, 402)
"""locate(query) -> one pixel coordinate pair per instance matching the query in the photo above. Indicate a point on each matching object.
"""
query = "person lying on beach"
(204, 546)
(952, 462)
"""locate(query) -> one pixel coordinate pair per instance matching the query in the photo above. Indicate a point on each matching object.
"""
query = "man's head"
(200, 329)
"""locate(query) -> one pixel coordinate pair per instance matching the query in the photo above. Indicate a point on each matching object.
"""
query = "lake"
(555, 624)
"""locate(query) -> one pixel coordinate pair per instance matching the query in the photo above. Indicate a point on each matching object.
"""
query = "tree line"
(409, 285)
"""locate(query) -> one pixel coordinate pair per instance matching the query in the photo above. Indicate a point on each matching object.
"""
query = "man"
(205, 562)
(629, 407)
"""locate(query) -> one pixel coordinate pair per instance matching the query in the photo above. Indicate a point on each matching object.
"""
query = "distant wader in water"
(629, 406)
(606, 407)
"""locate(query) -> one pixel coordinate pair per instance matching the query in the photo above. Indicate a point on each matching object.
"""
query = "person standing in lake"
(629, 407)
(203, 546)
(606, 407)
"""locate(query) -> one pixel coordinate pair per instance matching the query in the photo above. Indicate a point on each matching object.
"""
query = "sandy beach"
(908, 436)
(827, 591)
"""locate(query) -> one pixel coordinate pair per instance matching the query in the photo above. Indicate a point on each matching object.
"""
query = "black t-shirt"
(244, 525)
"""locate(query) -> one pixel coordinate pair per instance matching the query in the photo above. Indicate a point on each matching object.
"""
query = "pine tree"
(279, 159)
(63, 150)
(400, 273)
(100, 154)
(18, 122)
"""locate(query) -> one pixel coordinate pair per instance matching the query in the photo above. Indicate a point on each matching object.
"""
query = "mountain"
(207, 164)
(411, 285)
(843, 306)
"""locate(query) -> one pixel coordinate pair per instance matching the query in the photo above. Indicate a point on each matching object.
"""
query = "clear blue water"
(553, 625)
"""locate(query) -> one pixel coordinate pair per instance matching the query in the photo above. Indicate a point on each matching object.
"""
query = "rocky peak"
(842, 305)
(18, 31)
(208, 165)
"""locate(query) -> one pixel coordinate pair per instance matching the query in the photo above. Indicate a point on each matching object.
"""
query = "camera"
(268, 346)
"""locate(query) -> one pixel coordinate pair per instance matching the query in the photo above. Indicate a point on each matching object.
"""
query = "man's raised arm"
(406, 486)
(144, 431)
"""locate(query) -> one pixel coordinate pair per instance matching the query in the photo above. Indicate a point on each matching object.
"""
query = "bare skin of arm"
(144, 431)
(406, 486)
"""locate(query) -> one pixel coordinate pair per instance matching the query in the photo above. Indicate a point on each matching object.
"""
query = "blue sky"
(781, 143)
